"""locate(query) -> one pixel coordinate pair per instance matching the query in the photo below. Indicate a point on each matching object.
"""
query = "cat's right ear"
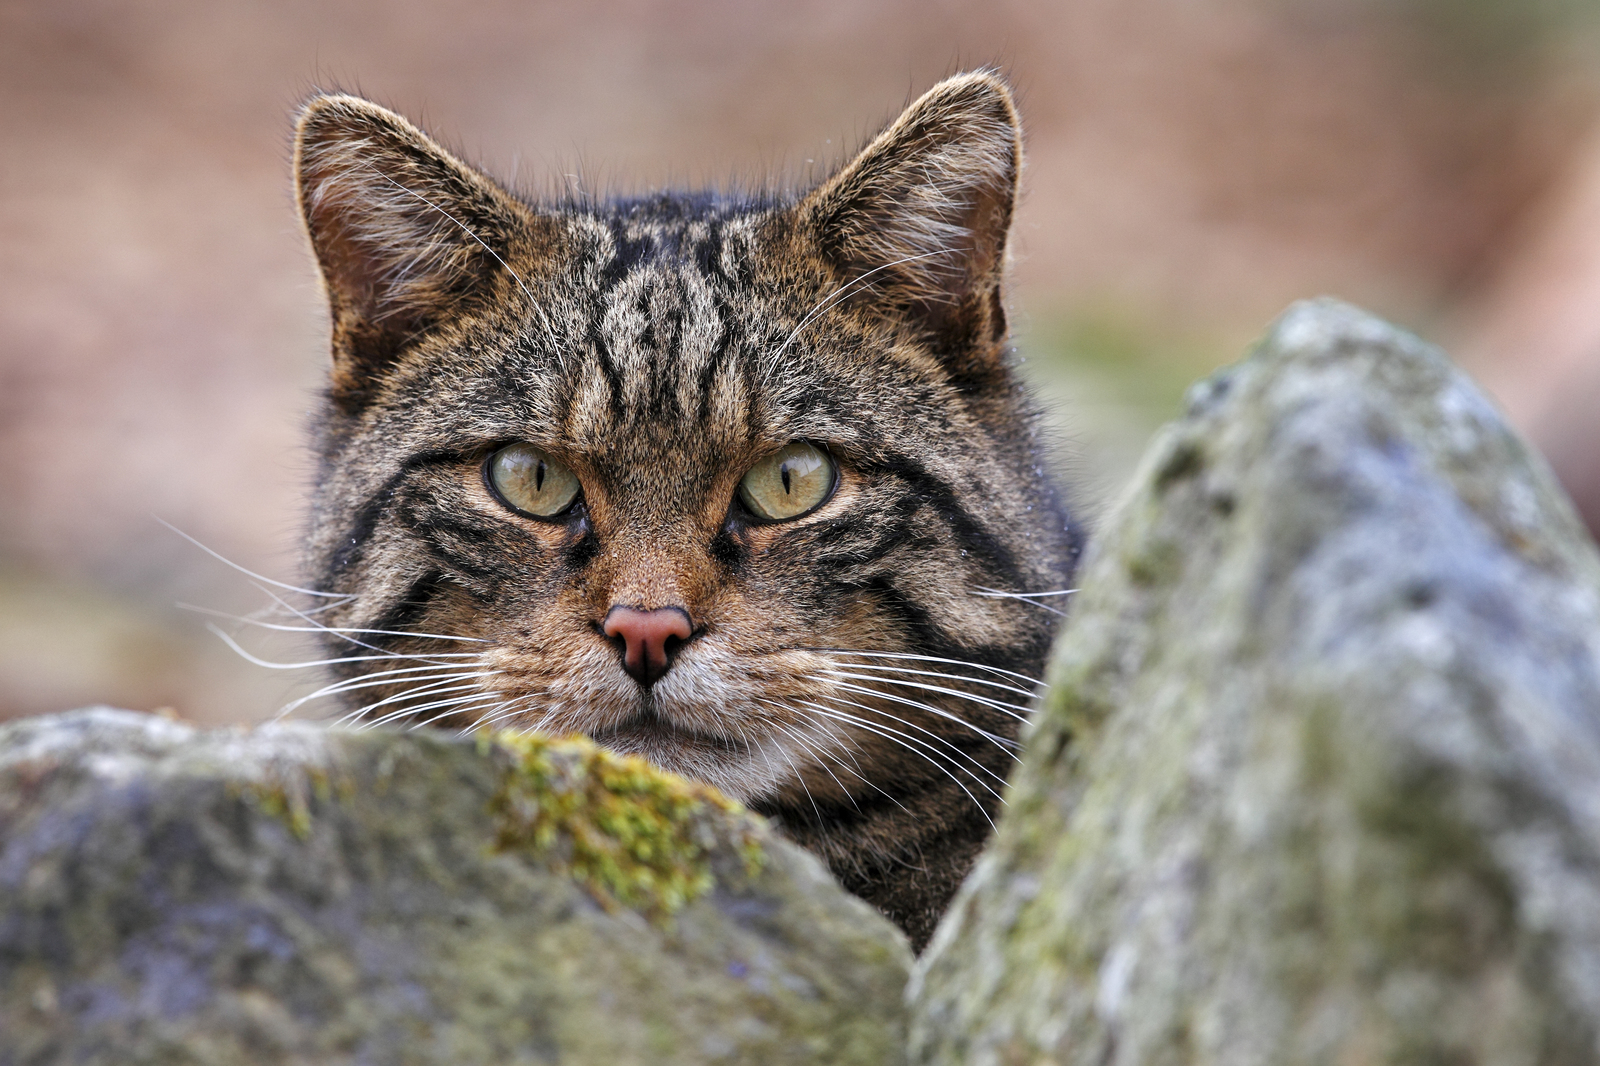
(919, 219)
(404, 232)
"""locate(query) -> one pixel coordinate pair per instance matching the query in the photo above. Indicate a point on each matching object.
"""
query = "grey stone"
(1318, 777)
(298, 894)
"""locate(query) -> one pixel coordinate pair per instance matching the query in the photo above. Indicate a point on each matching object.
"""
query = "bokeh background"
(1193, 166)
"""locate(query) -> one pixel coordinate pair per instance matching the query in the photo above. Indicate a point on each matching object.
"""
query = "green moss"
(278, 801)
(284, 798)
(632, 834)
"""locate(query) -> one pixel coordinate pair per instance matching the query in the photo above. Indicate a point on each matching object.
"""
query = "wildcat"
(745, 485)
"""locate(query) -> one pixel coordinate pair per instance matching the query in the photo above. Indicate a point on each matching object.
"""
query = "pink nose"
(649, 638)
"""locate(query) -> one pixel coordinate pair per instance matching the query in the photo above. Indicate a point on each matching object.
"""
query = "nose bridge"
(646, 571)
(653, 528)
(644, 575)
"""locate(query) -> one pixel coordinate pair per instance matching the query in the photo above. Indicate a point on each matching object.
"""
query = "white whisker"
(817, 759)
(251, 573)
(377, 677)
(930, 659)
(406, 697)
(1026, 597)
(949, 677)
(1003, 742)
(908, 743)
(316, 628)
(1019, 713)
(800, 779)
(942, 740)
(230, 642)
(501, 711)
(382, 677)
(362, 682)
(303, 616)
(453, 702)
(453, 711)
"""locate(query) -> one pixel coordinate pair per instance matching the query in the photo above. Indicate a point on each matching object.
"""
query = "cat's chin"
(644, 736)
(697, 756)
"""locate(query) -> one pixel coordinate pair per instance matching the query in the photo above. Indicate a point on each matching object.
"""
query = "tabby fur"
(849, 671)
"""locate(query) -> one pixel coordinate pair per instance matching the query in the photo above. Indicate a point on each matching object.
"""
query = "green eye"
(530, 482)
(789, 484)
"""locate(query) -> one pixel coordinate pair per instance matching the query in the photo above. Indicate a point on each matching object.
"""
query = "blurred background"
(1193, 166)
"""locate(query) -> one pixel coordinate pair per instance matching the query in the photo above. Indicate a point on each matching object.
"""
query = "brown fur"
(660, 348)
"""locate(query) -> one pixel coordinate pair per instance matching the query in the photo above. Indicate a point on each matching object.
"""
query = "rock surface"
(304, 895)
(1318, 779)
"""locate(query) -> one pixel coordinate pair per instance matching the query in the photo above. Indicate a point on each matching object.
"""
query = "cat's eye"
(530, 482)
(795, 481)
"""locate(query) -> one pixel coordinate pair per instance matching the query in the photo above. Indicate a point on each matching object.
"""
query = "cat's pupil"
(538, 477)
(785, 472)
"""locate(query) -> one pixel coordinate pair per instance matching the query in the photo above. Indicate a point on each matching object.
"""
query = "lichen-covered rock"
(304, 895)
(1318, 778)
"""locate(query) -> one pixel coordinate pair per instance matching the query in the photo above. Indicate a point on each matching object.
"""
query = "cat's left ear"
(919, 219)
(406, 234)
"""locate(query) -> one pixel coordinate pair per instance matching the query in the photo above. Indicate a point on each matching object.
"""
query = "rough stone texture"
(305, 895)
(1318, 780)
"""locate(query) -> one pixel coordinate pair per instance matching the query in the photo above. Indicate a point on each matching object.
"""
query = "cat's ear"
(920, 217)
(404, 232)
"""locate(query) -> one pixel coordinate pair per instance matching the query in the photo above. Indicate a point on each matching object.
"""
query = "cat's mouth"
(650, 736)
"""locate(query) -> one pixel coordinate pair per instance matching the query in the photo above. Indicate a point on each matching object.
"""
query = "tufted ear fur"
(922, 214)
(404, 232)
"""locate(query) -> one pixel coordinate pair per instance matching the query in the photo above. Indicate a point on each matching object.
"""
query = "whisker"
(930, 659)
(1008, 749)
(382, 677)
(935, 673)
(499, 702)
(1011, 709)
(1030, 603)
(817, 758)
(303, 616)
(1005, 743)
(367, 681)
(453, 702)
(230, 642)
(1026, 597)
(501, 711)
(250, 573)
(363, 679)
(406, 697)
(800, 778)
(909, 743)
(316, 628)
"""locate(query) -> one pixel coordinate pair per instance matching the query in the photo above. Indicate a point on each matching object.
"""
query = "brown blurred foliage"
(1193, 166)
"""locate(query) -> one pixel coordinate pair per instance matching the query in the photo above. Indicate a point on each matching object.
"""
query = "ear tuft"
(403, 231)
(921, 216)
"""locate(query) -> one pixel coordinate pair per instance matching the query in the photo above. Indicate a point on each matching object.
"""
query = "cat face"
(729, 484)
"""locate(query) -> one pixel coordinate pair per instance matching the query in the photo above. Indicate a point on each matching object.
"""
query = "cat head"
(729, 483)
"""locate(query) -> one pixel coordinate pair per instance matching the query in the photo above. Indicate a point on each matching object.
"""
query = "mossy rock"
(298, 894)
(1318, 777)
